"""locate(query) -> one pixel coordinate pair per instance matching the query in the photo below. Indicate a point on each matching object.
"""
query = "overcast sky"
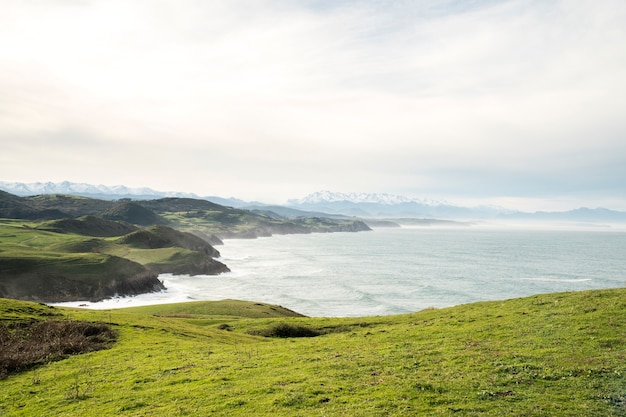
(516, 103)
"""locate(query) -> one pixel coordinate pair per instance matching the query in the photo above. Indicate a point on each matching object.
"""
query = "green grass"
(548, 355)
(37, 263)
(210, 309)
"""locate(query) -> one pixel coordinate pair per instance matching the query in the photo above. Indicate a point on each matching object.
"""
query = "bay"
(399, 270)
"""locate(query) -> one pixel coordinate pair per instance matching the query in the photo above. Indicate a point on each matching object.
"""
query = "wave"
(548, 279)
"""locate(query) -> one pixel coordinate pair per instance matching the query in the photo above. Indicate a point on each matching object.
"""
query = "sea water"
(399, 270)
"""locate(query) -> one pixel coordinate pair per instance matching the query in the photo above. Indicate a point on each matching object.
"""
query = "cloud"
(491, 97)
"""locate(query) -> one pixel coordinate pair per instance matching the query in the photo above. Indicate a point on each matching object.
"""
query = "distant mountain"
(376, 198)
(318, 204)
(105, 192)
(582, 214)
(87, 190)
(388, 205)
(392, 206)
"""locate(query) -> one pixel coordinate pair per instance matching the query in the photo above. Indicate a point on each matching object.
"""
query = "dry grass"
(25, 345)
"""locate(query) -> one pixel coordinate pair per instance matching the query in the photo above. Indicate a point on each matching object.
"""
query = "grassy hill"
(550, 355)
(88, 226)
(185, 214)
(89, 258)
(61, 247)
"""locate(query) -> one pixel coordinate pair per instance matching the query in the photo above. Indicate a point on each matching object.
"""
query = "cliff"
(77, 277)
(73, 259)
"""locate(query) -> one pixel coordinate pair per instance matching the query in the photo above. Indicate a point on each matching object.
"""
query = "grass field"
(548, 355)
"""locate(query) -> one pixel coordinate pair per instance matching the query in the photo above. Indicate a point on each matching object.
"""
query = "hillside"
(63, 247)
(89, 258)
(186, 253)
(226, 222)
(186, 214)
(88, 226)
(130, 212)
(552, 354)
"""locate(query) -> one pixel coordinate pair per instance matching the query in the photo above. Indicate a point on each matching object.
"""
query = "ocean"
(400, 270)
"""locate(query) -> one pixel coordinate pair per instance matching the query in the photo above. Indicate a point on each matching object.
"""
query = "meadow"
(561, 354)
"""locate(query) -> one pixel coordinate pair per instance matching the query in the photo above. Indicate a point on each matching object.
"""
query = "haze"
(516, 103)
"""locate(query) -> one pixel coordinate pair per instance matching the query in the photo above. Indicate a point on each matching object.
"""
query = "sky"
(514, 103)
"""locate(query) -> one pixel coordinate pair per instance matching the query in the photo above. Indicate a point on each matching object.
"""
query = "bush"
(24, 345)
(287, 330)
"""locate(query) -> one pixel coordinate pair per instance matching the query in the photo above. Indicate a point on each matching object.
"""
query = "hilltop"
(551, 354)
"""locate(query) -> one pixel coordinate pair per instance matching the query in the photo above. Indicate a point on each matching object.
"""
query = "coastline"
(399, 270)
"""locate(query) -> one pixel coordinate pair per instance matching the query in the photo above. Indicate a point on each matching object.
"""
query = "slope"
(555, 354)
(63, 261)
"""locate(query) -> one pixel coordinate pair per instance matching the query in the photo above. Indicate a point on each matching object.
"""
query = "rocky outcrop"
(139, 284)
(208, 237)
(195, 264)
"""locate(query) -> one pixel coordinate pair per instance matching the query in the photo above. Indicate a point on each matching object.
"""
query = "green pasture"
(547, 355)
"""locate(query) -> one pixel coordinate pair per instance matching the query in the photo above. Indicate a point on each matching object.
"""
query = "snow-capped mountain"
(393, 206)
(106, 192)
(384, 205)
(88, 190)
(375, 198)
(374, 205)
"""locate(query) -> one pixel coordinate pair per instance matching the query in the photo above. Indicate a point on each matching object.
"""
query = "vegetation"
(36, 334)
(557, 354)
(186, 214)
(62, 248)
(26, 345)
(88, 226)
(63, 260)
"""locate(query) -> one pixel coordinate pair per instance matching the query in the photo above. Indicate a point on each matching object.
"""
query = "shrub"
(24, 345)
(287, 330)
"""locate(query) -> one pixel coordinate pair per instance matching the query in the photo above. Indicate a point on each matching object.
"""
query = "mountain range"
(106, 192)
(377, 198)
(324, 203)
(398, 207)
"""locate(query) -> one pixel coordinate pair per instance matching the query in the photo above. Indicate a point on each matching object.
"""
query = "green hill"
(132, 213)
(54, 276)
(70, 247)
(88, 226)
(186, 214)
(74, 259)
(164, 237)
(553, 355)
